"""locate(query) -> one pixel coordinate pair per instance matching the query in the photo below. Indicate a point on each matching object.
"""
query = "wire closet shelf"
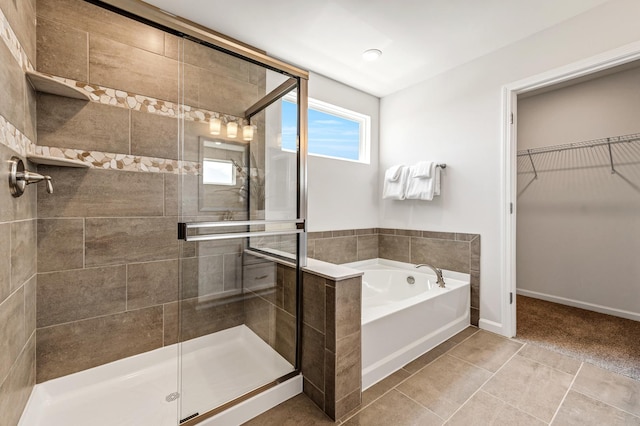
(606, 143)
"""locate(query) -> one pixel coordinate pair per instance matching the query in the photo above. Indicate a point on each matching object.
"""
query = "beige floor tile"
(467, 332)
(377, 390)
(444, 385)
(552, 359)
(580, 410)
(486, 350)
(427, 358)
(297, 411)
(394, 409)
(530, 386)
(486, 410)
(614, 389)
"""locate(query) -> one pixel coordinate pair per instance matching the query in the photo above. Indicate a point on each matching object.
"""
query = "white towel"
(395, 189)
(436, 187)
(393, 173)
(422, 188)
(422, 169)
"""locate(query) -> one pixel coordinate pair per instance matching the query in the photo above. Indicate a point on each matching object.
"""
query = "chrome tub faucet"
(440, 279)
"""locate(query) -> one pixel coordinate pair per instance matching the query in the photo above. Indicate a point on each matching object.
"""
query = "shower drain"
(172, 396)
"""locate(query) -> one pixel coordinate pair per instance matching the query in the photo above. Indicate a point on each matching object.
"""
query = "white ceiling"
(419, 38)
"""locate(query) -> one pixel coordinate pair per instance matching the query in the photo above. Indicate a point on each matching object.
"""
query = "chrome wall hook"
(19, 178)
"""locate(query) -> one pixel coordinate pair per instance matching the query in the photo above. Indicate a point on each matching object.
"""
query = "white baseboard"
(579, 304)
(492, 326)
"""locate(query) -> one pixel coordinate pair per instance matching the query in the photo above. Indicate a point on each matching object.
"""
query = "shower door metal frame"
(158, 18)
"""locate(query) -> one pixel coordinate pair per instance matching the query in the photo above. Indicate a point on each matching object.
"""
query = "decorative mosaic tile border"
(125, 162)
(11, 40)
(14, 138)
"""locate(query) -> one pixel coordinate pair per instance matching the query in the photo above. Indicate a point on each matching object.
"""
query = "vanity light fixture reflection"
(247, 132)
(232, 130)
(214, 126)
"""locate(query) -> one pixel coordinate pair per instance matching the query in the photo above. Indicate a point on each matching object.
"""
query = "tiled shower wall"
(446, 250)
(17, 215)
(108, 257)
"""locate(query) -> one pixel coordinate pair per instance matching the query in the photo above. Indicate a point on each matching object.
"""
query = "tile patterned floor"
(479, 378)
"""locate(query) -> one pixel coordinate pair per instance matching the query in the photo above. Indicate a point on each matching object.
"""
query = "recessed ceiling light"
(371, 54)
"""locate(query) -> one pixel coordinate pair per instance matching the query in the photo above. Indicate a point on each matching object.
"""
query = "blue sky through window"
(329, 134)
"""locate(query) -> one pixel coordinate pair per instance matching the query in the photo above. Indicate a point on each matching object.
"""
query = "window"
(218, 172)
(334, 132)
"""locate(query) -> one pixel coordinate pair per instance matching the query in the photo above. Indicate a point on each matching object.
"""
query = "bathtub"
(401, 321)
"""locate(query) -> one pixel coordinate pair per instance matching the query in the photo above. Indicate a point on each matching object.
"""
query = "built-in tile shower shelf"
(47, 84)
(56, 161)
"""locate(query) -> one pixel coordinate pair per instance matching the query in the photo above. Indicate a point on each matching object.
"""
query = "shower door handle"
(298, 226)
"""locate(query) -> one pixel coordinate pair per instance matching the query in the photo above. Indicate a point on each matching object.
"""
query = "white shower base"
(214, 369)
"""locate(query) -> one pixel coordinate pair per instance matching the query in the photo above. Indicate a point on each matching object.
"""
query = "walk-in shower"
(188, 222)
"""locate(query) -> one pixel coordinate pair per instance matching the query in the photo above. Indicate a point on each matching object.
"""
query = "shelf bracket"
(535, 173)
(613, 170)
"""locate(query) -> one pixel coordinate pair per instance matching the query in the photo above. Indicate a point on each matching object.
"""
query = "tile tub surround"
(447, 250)
(477, 377)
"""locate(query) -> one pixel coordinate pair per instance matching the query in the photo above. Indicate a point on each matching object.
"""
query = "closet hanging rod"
(577, 145)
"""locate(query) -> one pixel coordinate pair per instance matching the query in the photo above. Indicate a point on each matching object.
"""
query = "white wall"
(578, 227)
(342, 194)
(458, 119)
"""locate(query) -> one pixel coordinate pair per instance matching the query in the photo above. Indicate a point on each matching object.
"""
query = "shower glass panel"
(239, 229)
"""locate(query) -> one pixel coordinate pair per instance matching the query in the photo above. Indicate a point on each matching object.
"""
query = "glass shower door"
(240, 232)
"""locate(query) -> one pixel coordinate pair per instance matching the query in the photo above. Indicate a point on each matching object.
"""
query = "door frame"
(510, 92)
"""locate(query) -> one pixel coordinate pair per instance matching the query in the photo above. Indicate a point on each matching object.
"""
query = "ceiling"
(419, 38)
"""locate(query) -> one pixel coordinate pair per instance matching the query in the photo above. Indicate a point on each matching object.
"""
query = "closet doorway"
(578, 221)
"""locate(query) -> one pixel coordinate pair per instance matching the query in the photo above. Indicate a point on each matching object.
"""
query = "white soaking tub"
(401, 321)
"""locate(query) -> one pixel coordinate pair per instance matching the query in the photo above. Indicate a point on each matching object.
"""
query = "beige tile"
(154, 135)
(483, 409)
(366, 231)
(286, 336)
(330, 317)
(88, 17)
(202, 276)
(348, 307)
(337, 250)
(444, 385)
(121, 240)
(486, 350)
(201, 317)
(348, 366)
(429, 357)
(409, 232)
(5, 261)
(12, 87)
(12, 330)
(172, 46)
(530, 386)
(475, 289)
(367, 247)
(82, 193)
(439, 235)
(394, 408)
(394, 247)
(260, 317)
(580, 410)
(289, 290)
(313, 298)
(330, 377)
(347, 404)
(21, 16)
(62, 50)
(233, 271)
(551, 359)
(299, 410)
(121, 66)
(444, 254)
(152, 283)
(73, 123)
(194, 131)
(465, 237)
(16, 388)
(216, 62)
(611, 388)
(171, 323)
(343, 233)
(76, 346)
(474, 246)
(171, 199)
(224, 93)
(23, 247)
(30, 115)
(464, 334)
(313, 393)
(30, 288)
(79, 294)
(60, 244)
(313, 356)
(383, 386)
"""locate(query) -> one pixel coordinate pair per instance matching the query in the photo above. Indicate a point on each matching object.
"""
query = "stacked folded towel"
(395, 182)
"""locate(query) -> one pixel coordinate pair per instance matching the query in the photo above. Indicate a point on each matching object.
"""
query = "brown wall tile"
(5, 261)
(217, 62)
(343, 233)
(199, 318)
(172, 46)
(290, 292)
(348, 403)
(475, 289)
(87, 17)
(222, 93)
(62, 50)
(443, 254)
(121, 66)
(475, 254)
(77, 346)
(73, 123)
(394, 247)
(337, 250)
(260, 317)
(121, 240)
(313, 297)
(23, 247)
(367, 247)
(313, 356)
(316, 395)
(30, 306)
(348, 366)
(348, 307)
(79, 294)
(439, 235)
(408, 233)
(233, 272)
(286, 335)
(330, 316)
(21, 15)
(171, 200)
(152, 283)
(30, 115)
(16, 388)
(12, 87)
(366, 231)
(202, 276)
(475, 316)
(12, 330)
(171, 323)
(330, 383)
(154, 135)
(60, 244)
